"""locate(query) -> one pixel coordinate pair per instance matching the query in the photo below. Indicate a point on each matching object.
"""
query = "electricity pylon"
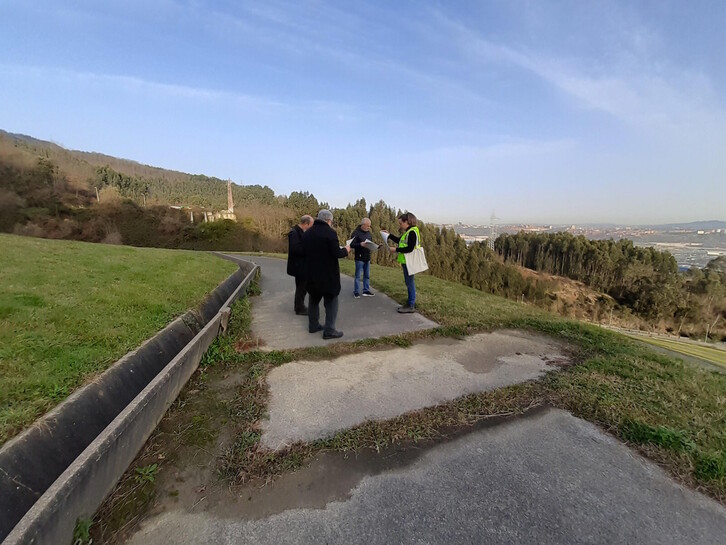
(492, 231)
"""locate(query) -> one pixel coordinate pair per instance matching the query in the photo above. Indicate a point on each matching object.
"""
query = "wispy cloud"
(134, 85)
(130, 83)
(324, 36)
(634, 88)
(505, 148)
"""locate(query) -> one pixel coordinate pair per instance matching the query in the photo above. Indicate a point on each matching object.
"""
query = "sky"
(545, 112)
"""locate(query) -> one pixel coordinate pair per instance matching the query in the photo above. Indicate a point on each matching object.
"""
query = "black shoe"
(303, 312)
(406, 309)
(368, 294)
(332, 334)
(356, 295)
(316, 329)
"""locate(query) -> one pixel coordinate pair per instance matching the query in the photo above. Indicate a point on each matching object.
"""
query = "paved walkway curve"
(278, 327)
(547, 477)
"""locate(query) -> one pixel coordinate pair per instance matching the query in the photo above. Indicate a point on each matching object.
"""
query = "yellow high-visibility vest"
(403, 243)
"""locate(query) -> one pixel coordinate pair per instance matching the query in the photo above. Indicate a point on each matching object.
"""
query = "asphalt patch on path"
(312, 400)
(545, 478)
(328, 477)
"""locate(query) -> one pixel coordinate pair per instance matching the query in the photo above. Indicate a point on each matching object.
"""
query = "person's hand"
(384, 231)
(392, 249)
(348, 248)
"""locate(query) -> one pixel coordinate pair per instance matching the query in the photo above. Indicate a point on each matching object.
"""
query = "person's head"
(305, 222)
(365, 224)
(326, 216)
(406, 221)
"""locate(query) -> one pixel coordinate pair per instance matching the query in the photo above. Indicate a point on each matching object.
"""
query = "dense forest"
(48, 191)
(642, 279)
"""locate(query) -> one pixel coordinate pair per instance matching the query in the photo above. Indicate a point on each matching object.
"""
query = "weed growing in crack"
(146, 474)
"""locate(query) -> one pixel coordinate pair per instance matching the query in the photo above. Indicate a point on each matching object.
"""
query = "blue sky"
(544, 112)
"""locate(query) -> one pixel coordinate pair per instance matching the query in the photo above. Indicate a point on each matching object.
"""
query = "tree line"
(193, 190)
(642, 279)
(447, 254)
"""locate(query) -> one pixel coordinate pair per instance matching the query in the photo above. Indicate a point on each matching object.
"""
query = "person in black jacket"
(296, 262)
(322, 270)
(362, 258)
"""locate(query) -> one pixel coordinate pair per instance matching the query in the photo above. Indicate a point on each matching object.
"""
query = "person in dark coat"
(296, 262)
(362, 258)
(322, 270)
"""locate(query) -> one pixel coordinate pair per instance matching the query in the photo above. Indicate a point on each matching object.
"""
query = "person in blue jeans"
(410, 237)
(362, 258)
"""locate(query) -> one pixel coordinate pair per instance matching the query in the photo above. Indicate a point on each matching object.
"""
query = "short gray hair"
(325, 215)
(365, 220)
(306, 220)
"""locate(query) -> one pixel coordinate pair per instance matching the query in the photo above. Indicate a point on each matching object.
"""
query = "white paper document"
(385, 237)
(370, 245)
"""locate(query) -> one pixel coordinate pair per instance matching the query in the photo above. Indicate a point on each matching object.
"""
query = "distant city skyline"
(722, 224)
(548, 112)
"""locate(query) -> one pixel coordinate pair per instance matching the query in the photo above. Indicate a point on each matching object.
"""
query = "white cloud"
(135, 84)
(327, 38)
(637, 88)
(509, 148)
(51, 76)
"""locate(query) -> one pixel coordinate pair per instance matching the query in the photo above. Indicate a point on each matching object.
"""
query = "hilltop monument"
(223, 214)
(230, 201)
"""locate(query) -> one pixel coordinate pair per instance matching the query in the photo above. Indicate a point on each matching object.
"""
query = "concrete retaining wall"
(64, 465)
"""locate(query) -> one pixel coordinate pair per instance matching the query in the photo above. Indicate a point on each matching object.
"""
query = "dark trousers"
(330, 302)
(410, 286)
(300, 292)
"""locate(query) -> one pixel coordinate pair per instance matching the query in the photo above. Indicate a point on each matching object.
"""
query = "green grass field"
(711, 355)
(68, 310)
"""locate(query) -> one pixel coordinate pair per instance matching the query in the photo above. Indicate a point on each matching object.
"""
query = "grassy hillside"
(79, 166)
(69, 309)
(85, 170)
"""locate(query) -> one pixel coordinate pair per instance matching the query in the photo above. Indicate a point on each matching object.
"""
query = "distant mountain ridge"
(89, 170)
(693, 225)
(61, 156)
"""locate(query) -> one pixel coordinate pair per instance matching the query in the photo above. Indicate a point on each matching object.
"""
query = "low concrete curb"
(33, 463)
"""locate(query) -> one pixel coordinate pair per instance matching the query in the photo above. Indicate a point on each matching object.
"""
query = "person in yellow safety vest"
(408, 240)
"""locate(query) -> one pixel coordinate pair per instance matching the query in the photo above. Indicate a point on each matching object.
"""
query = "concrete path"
(314, 399)
(278, 327)
(548, 478)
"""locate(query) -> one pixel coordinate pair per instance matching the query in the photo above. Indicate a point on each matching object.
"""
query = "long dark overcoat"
(295, 253)
(322, 251)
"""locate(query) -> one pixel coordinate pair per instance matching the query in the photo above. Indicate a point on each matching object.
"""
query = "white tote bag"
(416, 261)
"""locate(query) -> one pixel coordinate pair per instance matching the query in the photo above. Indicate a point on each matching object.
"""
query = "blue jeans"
(365, 268)
(411, 286)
